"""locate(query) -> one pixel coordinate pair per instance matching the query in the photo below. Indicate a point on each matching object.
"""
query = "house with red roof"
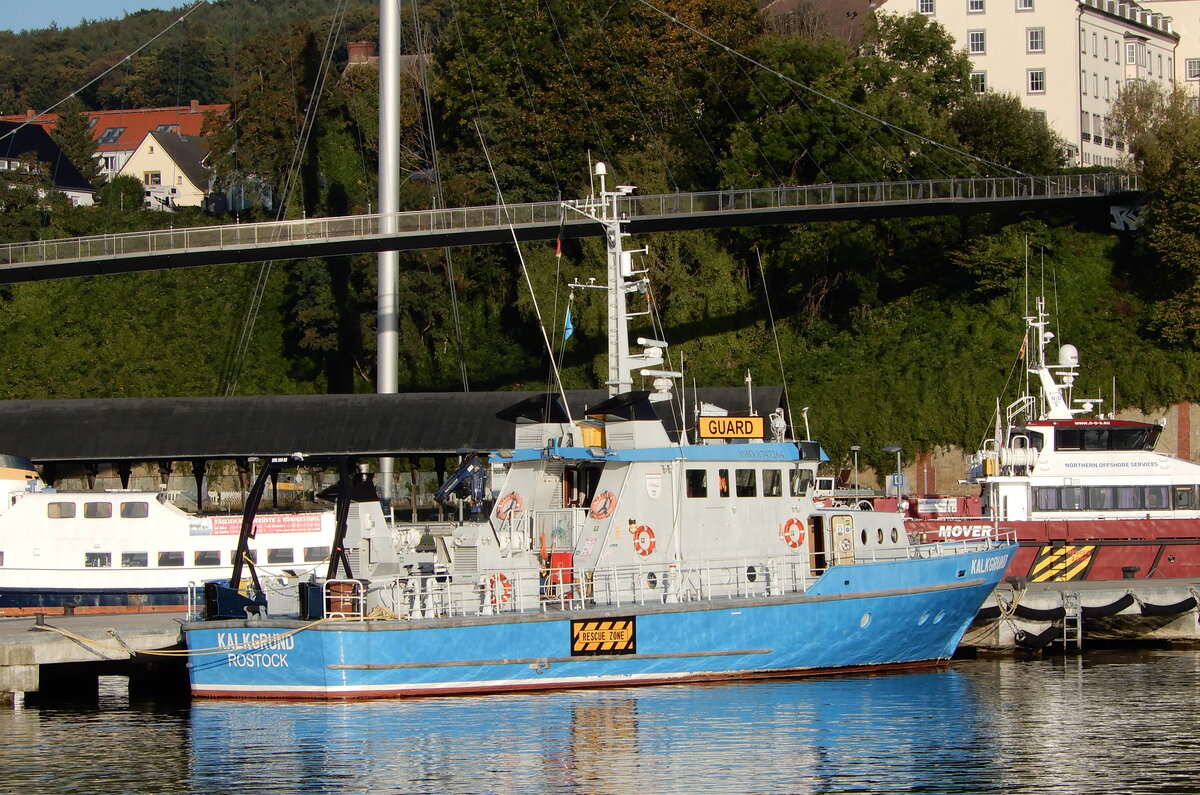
(118, 133)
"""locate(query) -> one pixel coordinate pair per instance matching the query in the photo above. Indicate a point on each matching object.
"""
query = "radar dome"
(1068, 356)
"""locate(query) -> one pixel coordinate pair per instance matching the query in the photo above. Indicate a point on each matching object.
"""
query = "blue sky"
(31, 14)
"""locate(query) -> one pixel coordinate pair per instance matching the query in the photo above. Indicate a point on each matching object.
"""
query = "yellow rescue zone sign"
(606, 636)
(731, 427)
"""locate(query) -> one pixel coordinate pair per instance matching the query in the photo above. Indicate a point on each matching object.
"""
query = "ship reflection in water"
(1128, 719)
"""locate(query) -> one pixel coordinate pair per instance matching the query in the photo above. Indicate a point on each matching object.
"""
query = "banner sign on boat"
(605, 636)
(731, 427)
(269, 523)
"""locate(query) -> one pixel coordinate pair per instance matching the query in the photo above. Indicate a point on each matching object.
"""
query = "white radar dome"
(1068, 356)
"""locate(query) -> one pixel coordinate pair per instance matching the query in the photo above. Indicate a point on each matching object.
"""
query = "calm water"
(1113, 721)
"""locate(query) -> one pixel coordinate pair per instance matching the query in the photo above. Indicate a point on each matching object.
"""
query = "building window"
(1035, 39)
(1036, 80)
(1191, 69)
(979, 82)
(1083, 82)
(1160, 72)
(1024, 5)
(976, 42)
(167, 128)
(925, 6)
(974, 6)
(1095, 85)
(1130, 53)
(1082, 41)
(1095, 49)
(1107, 96)
(110, 135)
(1097, 128)
(152, 178)
(1084, 126)
(1040, 116)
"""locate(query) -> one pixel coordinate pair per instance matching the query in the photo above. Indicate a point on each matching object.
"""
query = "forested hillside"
(891, 331)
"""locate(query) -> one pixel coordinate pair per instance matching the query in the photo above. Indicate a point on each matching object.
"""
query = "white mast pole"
(387, 325)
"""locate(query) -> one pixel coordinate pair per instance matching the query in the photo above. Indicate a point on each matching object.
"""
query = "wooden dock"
(64, 656)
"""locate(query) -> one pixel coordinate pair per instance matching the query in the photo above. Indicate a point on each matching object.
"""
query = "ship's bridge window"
(97, 510)
(723, 482)
(801, 482)
(60, 510)
(135, 510)
(697, 482)
(746, 482)
(1140, 438)
(251, 555)
(207, 557)
(1135, 438)
(315, 554)
(281, 556)
(1185, 497)
(97, 560)
(772, 483)
(170, 558)
(135, 560)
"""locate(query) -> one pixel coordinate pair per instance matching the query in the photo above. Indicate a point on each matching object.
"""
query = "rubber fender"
(990, 613)
(1033, 614)
(1028, 640)
(1108, 610)
(1168, 610)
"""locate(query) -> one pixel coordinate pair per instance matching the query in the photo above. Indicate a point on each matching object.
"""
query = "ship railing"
(195, 601)
(344, 598)
(997, 538)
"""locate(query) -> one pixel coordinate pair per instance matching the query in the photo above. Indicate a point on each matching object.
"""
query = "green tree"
(73, 135)
(999, 129)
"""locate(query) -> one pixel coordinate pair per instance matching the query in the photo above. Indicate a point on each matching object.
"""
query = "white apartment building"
(1065, 59)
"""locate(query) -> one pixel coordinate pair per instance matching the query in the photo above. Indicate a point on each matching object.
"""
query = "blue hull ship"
(638, 542)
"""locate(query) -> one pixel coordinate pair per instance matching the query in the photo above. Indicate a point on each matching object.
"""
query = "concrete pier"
(1071, 615)
(63, 656)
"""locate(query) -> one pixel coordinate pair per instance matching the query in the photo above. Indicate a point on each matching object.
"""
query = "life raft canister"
(792, 532)
(501, 589)
(643, 540)
(603, 504)
(509, 504)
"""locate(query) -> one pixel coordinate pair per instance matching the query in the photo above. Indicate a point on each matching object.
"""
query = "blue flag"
(568, 328)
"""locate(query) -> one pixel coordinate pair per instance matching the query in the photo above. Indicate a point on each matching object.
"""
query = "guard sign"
(731, 427)
(603, 636)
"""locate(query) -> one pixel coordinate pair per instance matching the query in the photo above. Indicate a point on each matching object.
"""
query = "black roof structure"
(366, 426)
(18, 139)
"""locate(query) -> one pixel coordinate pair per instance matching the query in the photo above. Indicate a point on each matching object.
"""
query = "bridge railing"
(462, 219)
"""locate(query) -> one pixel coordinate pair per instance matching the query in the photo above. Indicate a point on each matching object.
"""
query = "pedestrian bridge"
(464, 226)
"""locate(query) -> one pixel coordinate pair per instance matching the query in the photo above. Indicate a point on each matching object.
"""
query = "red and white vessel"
(1088, 496)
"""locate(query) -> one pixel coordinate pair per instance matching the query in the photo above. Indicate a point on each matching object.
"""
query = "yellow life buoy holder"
(792, 533)
(501, 589)
(509, 504)
(603, 504)
(643, 540)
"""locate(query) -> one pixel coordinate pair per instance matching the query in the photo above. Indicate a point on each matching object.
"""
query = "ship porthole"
(938, 618)
(864, 535)
(865, 621)
(895, 535)
(879, 536)
(924, 617)
(651, 581)
(751, 574)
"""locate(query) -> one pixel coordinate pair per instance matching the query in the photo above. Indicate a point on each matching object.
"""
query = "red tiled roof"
(186, 119)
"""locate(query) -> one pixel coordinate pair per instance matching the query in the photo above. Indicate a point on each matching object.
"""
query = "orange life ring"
(501, 589)
(643, 540)
(509, 504)
(603, 504)
(792, 533)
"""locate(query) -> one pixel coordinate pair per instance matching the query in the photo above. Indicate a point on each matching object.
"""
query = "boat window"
(1134, 438)
(747, 482)
(1068, 439)
(772, 483)
(315, 554)
(97, 510)
(801, 482)
(60, 510)
(1185, 497)
(723, 481)
(170, 558)
(1096, 439)
(251, 555)
(697, 483)
(207, 557)
(97, 560)
(135, 510)
(1071, 498)
(1129, 498)
(1101, 498)
(1045, 499)
(281, 556)
(135, 559)
(1157, 497)
(1036, 439)
(1, 557)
